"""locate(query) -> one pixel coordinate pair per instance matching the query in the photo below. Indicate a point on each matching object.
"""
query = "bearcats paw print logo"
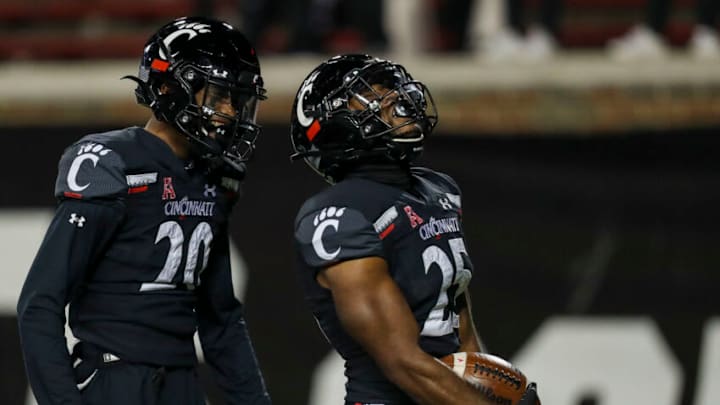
(89, 151)
(328, 217)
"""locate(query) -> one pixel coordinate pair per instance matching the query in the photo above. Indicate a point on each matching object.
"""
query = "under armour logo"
(219, 73)
(210, 191)
(76, 220)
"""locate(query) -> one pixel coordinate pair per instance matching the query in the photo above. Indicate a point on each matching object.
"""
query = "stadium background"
(590, 193)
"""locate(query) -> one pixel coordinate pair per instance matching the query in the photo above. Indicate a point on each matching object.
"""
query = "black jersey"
(143, 284)
(139, 248)
(418, 233)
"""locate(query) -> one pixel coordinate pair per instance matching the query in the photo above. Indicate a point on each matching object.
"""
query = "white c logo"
(167, 41)
(317, 240)
(303, 119)
(75, 168)
(191, 30)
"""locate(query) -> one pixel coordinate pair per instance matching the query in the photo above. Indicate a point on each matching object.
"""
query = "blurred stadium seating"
(90, 29)
(51, 49)
(46, 29)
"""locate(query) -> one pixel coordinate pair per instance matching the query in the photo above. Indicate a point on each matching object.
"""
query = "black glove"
(530, 397)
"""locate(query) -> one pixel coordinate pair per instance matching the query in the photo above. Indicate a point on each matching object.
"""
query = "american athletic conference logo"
(328, 217)
(187, 207)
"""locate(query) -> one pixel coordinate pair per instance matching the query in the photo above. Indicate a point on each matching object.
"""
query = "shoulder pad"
(441, 183)
(441, 180)
(88, 170)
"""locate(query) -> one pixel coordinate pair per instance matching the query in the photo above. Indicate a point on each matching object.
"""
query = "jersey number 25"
(442, 319)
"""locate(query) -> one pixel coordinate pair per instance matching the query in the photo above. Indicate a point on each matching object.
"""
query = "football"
(498, 380)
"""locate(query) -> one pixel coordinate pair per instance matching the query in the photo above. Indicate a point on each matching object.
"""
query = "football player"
(383, 262)
(139, 243)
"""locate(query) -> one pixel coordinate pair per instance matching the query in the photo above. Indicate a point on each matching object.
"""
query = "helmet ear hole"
(167, 100)
(164, 88)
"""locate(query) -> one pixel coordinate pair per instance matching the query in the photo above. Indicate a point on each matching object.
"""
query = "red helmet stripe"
(160, 65)
(313, 130)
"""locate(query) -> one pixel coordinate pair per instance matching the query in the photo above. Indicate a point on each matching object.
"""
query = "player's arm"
(374, 312)
(223, 334)
(75, 239)
(469, 339)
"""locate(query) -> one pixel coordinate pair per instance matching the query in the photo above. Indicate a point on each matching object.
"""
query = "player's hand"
(530, 397)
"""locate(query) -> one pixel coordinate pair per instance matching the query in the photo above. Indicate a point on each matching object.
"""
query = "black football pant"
(107, 380)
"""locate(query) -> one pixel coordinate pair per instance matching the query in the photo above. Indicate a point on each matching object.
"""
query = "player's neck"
(387, 173)
(177, 142)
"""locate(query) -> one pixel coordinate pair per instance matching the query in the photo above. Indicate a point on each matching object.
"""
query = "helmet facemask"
(394, 112)
(219, 114)
(387, 109)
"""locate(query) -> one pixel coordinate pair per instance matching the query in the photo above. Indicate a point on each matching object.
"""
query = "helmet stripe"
(160, 65)
(313, 130)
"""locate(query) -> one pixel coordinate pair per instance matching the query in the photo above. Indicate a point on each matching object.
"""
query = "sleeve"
(334, 234)
(76, 238)
(223, 333)
(90, 170)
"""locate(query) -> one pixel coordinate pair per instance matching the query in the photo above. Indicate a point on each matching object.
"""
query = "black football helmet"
(198, 55)
(331, 133)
